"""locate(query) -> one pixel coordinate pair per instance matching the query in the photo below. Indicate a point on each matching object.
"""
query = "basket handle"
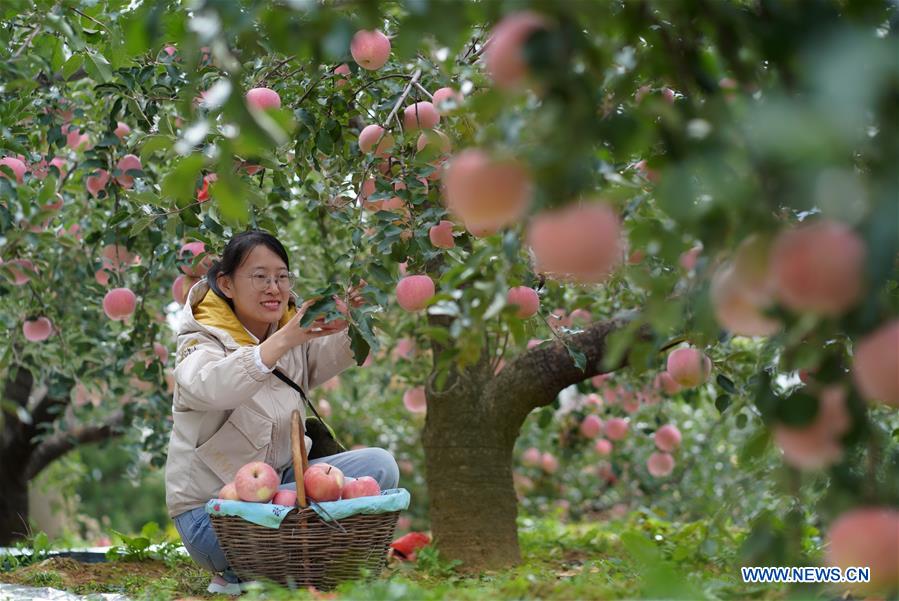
(298, 450)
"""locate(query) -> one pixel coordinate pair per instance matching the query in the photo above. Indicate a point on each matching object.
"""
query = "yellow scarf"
(214, 311)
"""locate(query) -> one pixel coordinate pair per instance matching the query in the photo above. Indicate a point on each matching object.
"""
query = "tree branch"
(17, 390)
(59, 444)
(537, 376)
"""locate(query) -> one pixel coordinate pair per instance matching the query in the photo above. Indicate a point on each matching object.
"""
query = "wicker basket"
(305, 550)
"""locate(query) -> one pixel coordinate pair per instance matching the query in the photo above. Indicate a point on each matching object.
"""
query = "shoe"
(219, 585)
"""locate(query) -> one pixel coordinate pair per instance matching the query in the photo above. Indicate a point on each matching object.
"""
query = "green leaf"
(726, 383)
(180, 183)
(579, 358)
(98, 67)
(358, 344)
(153, 144)
(73, 64)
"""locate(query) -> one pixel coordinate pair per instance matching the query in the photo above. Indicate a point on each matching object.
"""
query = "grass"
(642, 557)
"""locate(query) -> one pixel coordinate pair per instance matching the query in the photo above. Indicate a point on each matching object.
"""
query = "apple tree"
(698, 195)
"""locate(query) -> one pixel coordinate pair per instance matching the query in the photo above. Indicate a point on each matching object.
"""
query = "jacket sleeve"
(328, 356)
(209, 379)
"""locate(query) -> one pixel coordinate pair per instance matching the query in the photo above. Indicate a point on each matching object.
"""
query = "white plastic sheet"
(15, 592)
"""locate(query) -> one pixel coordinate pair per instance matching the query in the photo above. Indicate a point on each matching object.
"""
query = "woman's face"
(253, 287)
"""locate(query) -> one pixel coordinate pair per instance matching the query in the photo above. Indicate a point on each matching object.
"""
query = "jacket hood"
(206, 310)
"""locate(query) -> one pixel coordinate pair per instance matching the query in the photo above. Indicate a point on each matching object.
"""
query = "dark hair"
(236, 252)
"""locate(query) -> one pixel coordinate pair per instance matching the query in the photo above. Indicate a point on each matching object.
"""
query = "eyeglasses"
(262, 282)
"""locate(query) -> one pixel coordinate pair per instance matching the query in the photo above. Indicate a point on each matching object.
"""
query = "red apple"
(415, 400)
(667, 438)
(414, 291)
(420, 115)
(441, 235)
(370, 135)
(616, 428)
(366, 486)
(531, 457)
(876, 364)
(660, 464)
(285, 497)
(370, 49)
(323, 483)
(129, 162)
(263, 98)
(257, 482)
(505, 56)
(526, 301)
(188, 252)
(37, 330)
(867, 537)
(229, 492)
(119, 303)
(689, 367)
(591, 426)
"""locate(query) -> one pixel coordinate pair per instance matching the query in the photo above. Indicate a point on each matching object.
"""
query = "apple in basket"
(285, 497)
(366, 486)
(229, 492)
(323, 482)
(257, 481)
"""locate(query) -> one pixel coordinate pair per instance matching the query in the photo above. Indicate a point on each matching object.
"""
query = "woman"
(229, 409)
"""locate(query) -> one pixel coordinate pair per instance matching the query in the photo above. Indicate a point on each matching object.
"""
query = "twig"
(27, 42)
(88, 17)
(376, 80)
(421, 87)
(403, 96)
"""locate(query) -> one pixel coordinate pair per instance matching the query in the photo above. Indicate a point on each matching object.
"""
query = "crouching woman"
(237, 326)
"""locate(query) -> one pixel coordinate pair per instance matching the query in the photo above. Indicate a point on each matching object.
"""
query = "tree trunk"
(468, 459)
(23, 456)
(469, 436)
(13, 504)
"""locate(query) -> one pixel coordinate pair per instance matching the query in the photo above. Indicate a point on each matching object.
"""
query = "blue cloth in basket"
(270, 515)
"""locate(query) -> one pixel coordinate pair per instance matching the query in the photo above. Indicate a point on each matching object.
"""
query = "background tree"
(684, 174)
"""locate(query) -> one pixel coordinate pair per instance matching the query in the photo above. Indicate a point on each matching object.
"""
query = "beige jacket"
(226, 411)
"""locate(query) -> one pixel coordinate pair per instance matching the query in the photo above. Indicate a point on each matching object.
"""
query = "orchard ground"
(603, 559)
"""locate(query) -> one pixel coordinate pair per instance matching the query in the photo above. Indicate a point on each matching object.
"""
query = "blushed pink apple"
(37, 330)
(591, 426)
(531, 457)
(364, 486)
(121, 130)
(505, 57)
(414, 291)
(129, 162)
(487, 192)
(323, 483)
(370, 135)
(96, 183)
(415, 400)
(285, 497)
(22, 271)
(229, 492)
(161, 352)
(549, 463)
(420, 115)
(370, 49)
(819, 268)
(181, 286)
(441, 235)
(262, 99)
(434, 138)
(343, 69)
(736, 309)
(818, 444)
(256, 482)
(189, 251)
(660, 464)
(16, 166)
(525, 300)
(689, 258)
(616, 428)
(875, 367)
(867, 537)
(446, 95)
(119, 303)
(667, 438)
(664, 381)
(689, 367)
(603, 447)
(580, 242)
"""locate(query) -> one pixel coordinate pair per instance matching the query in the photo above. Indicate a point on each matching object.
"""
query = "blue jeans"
(199, 538)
